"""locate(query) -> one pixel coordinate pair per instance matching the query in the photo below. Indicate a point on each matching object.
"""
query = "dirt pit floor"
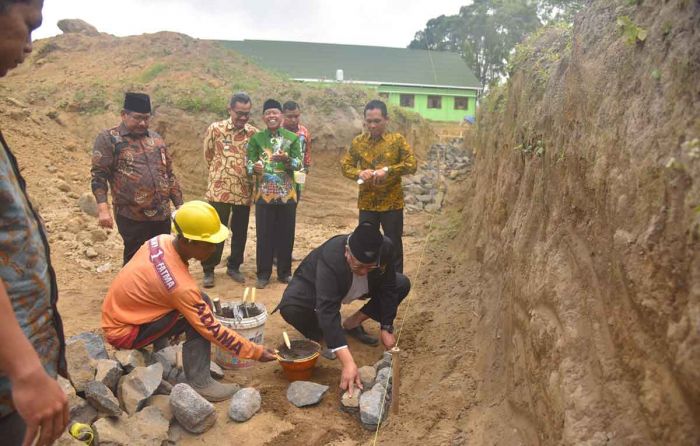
(327, 208)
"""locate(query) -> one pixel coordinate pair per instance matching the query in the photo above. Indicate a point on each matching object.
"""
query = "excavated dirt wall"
(585, 223)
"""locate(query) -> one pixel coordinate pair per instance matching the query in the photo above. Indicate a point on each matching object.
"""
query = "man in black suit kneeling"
(346, 268)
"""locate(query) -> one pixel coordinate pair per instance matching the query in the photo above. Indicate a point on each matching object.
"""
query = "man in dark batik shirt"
(33, 408)
(134, 162)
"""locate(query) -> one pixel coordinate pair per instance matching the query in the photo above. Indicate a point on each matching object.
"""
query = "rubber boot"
(196, 358)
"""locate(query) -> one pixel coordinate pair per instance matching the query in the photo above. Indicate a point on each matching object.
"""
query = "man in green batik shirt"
(273, 156)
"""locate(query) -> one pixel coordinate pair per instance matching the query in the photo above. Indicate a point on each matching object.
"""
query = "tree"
(486, 31)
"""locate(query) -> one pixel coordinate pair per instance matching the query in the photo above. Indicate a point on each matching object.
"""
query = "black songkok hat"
(365, 242)
(271, 103)
(137, 102)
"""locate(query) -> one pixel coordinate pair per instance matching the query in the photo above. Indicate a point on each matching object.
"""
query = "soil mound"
(575, 293)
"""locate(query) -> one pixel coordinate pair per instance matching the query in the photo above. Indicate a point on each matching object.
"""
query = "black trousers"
(306, 322)
(392, 225)
(136, 233)
(12, 429)
(172, 324)
(235, 217)
(274, 228)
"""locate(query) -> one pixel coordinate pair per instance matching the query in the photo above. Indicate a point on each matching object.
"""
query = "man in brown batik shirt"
(134, 162)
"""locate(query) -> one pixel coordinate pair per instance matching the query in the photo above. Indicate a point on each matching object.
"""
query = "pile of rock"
(139, 398)
(425, 190)
(371, 406)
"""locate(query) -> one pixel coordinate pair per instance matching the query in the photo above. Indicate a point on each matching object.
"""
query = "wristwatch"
(388, 328)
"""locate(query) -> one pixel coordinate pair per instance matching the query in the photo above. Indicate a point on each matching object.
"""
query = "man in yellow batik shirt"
(230, 189)
(379, 158)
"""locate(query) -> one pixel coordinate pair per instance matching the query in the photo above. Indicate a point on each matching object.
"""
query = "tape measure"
(82, 432)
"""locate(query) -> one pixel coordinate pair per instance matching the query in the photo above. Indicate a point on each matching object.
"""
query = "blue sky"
(363, 22)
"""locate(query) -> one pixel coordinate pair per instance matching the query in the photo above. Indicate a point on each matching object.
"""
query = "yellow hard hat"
(198, 220)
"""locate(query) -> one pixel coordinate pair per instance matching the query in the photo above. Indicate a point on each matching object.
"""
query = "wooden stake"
(245, 294)
(395, 380)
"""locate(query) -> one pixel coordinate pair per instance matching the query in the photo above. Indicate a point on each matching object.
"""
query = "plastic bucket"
(299, 177)
(251, 328)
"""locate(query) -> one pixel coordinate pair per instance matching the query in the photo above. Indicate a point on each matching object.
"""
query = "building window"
(461, 103)
(408, 100)
(384, 95)
(434, 101)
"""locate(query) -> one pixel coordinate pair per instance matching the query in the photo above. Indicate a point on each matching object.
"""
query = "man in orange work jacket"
(154, 297)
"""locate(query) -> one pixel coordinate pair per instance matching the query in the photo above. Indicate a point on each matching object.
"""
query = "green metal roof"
(363, 64)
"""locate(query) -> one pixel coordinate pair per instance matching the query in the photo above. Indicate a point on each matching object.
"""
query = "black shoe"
(261, 283)
(208, 281)
(361, 335)
(285, 279)
(236, 275)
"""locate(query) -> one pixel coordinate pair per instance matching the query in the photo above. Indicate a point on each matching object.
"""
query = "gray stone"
(102, 399)
(174, 376)
(136, 387)
(111, 432)
(164, 388)
(108, 372)
(87, 204)
(79, 409)
(351, 403)
(410, 199)
(367, 376)
(305, 393)
(384, 377)
(169, 354)
(67, 440)
(62, 186)
(80, 368)
(91, 253)
(216, 371)
(130, 359)
(244, 404)
(93, 342)
(162, 403)
(432, 207)
(148, 428)
(191, 410)
(384, 362)
(163, 360)
(175, 434)
(372, 404)
(425, 198)
(77, 26)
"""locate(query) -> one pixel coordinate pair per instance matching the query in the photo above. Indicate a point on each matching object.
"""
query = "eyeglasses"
(140, 118)
(242, 114)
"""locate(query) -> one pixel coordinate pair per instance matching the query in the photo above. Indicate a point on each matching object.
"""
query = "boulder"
(351, 403)
(164, 388)
(130, 359)
(372, 406)
(244, 404)
(77, 26)
(87, 204)
(162, 403)
(384, 362)
(367, 376)
(93, 342)
(305, 393)
(191, 410)
(136, 387)
(111, 432)
(108, 372)
(384, 377)
(80, 365)
(148, 428)
(79, 409)
(102, 399)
